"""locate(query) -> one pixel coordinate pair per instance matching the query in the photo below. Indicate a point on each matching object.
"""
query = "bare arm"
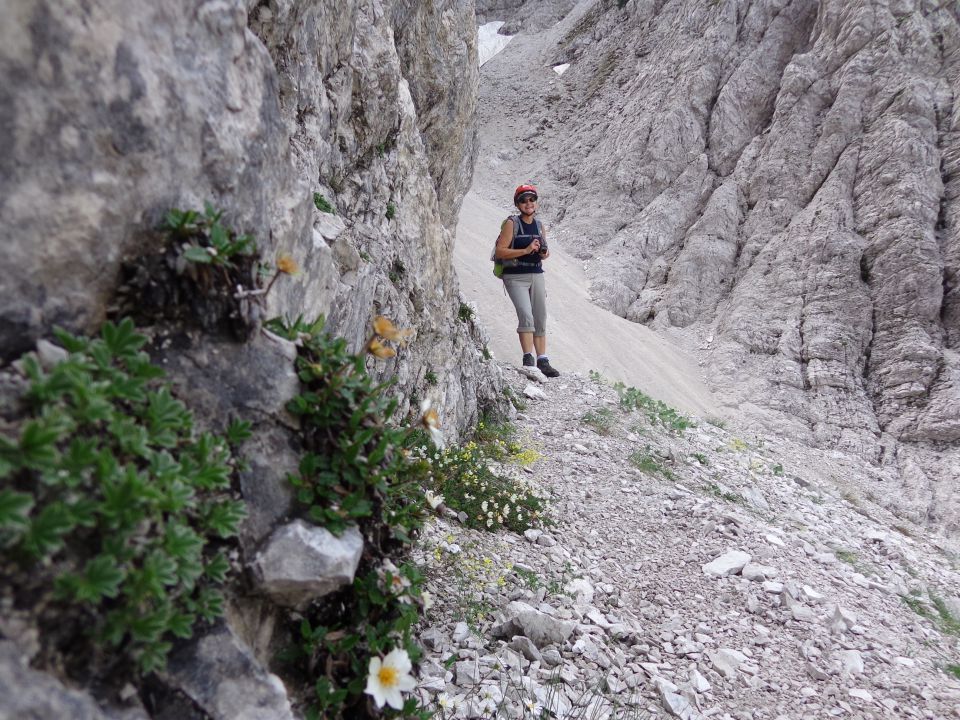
(504, 251)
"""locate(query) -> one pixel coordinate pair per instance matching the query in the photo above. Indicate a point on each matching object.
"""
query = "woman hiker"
(523, 240)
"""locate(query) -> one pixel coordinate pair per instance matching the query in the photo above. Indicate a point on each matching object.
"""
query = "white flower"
(483, 506)
(427, 599)
(533, 707)
(389, 677)
(433, 500)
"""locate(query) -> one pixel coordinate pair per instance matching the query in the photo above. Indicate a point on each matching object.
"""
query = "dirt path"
(581, 336)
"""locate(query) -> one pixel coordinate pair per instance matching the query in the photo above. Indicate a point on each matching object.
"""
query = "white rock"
(542, 629)
(774, 540)
(861, 694)
(676, 705)
(698, 682)
(581, 590)
(730, 563)
(532, 373)
(841, 620)
(759, 573)
(300, 563)
(851, 661)
(534, 393)
(811, 595)
(773, 587)
(726, 661)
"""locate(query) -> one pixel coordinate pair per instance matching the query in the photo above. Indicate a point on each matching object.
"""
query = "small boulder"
(730, 563)
(300, 563)
(542, 629)
(726, 661)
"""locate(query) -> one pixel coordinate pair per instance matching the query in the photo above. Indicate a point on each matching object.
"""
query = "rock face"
(26, 694)
(775, 181)
(109, 121)
(218, 672)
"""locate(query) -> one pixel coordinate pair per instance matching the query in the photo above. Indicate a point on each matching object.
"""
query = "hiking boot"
(546, 368)
(528, 360)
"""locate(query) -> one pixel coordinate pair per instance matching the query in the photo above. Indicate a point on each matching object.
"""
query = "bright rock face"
(776, 181)
(112, 113)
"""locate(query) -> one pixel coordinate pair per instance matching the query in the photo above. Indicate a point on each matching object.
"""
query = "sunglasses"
(527, 198)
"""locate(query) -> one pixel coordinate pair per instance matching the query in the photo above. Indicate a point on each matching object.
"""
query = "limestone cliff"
(112, 113)
(775, 180)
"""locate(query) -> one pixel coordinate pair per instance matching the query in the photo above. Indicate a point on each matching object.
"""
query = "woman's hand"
(534, 247)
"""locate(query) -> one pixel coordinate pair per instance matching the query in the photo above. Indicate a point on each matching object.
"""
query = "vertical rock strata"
(779, 176)
(112, 113)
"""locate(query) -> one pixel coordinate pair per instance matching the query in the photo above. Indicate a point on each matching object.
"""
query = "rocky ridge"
(772, 182)
(737, 577)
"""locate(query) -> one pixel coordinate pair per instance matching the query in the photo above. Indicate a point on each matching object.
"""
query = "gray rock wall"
(779, 178)
(116, 112)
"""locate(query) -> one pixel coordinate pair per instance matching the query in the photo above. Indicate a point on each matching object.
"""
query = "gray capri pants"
(529, 296)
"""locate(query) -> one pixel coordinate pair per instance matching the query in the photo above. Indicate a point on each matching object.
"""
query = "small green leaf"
(197, 254)
(209, 604)
(217, 568)
(83, 511)
(152, 656)
(14, 508)
(122, 340)
(238, 431)
(70, 343)
(101, 578)
(45, 533)
(224, 518)
(181, 625)
(37, 445)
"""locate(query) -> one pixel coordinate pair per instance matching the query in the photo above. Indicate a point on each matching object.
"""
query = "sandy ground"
(581, 336)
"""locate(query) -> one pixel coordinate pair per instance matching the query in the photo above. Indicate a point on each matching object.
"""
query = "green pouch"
(498, 269)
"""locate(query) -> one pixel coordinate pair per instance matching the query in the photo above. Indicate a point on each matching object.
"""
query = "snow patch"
(561, 69)
(489, 43)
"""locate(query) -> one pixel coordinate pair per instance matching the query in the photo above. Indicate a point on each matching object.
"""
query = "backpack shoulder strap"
(516, 228)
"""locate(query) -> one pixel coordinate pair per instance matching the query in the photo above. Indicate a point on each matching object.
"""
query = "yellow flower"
(383, 327)
(286, 264)
(378, 349)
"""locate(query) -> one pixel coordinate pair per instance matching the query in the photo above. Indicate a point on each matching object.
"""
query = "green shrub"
(464, 312)
(726, 495)
(430, 377)
(359, 467)
(322, 204)
(644, 461)
(391, 211)
(656, 411)
(114, 505)
(602, 420)
(397, 271)
(355, 469)
(209, 241)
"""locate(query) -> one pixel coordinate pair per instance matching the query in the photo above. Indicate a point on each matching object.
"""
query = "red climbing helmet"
(524, 190)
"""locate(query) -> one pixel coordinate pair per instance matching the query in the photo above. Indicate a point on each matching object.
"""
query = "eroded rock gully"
(775, 182)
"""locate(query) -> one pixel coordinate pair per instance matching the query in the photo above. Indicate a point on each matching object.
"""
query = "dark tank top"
(526, 234)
